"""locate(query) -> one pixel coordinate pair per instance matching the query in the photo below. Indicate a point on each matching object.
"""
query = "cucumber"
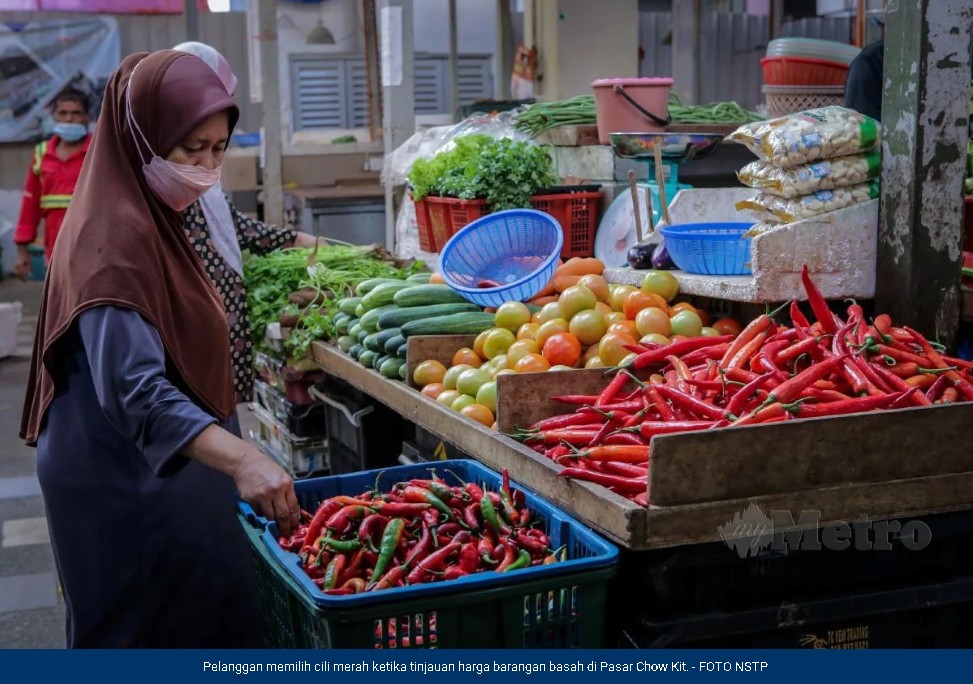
(345, 343)
(369, 322)
(392, 346)
(378, 361)
(349, 304)
(454, 324)
(390, 368)
(354, 329)
(366, 286)
(345, 326)
(422, 295)
(396, 318)
(361, 336)
(402, 351)
(403, 372)
(366, 358)
(383, 294)
(360, 310)
(376, 341)
(355, 351)
(419, 278)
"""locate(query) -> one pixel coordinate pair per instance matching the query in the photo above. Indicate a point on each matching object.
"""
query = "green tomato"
(497, 342)
(447, 397)
(470, 381)
(461, 402)
(710, 332)
(512, 315)
(687, 323)
(452, 375)
(559, 368)
(661, 283)
(487, 395)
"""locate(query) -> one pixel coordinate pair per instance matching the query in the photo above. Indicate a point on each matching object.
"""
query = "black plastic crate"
(299, 420)
(362, 434)
(713, 576)
(929, 616)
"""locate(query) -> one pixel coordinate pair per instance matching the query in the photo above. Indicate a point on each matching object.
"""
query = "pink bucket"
(631, 105)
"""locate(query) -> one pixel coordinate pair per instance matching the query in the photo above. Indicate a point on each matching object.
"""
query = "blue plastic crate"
(558, 605)
(709, 248)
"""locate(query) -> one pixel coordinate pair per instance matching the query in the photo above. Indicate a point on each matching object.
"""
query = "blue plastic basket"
(709, 248)
(518, 249)
(558, 605)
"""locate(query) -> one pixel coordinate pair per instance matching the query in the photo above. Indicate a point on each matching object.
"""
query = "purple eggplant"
(661, 259)
(640, 256)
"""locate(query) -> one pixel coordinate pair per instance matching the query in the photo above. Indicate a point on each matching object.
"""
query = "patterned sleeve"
(260, 238)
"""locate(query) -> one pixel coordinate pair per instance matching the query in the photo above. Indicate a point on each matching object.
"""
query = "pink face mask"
(178, 185)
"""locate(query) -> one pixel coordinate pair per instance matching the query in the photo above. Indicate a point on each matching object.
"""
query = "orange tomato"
(480, 413)
(681, 306)
(616, 300)
(652, 320)
(433, 390)
(562, 349)
(558, 325)
(527, 331)
(436, 279)
(637, 300)
(428, 372)
(612, 349)
(728, 326)
(478, 343)
(532, 363)
(519, 350)
(596, 284)
(628, 327)
(467, 356)
(604, 309)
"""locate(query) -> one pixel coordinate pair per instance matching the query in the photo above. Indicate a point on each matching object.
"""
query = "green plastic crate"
(277, 602)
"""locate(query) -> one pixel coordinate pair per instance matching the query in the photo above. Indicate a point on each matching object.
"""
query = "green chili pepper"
(335, 567)
(390, 542)
(489, 512)
(413, 494)
(522, 561)
(341, 546)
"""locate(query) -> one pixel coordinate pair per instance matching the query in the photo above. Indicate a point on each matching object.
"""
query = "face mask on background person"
(70, 132)
(178, 185)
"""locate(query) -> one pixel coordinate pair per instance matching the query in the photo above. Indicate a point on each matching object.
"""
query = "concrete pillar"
(272, 135)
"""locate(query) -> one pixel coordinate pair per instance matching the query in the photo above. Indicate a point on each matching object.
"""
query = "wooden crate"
(434, 348)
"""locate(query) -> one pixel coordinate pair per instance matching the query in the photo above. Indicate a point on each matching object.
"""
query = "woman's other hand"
(264, 485)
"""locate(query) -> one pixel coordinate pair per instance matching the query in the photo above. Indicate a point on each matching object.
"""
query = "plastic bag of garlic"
(809, 178)
(775, 209)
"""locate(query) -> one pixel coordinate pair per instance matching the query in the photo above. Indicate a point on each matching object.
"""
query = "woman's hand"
(265, 486)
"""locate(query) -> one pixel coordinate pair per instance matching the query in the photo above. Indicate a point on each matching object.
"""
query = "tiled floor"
(31, 609)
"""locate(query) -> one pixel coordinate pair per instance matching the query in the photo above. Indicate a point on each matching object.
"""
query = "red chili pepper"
(798, 320)
(470, 517)
(577, 399)
(621, 453)
(738, 403)
(422, 547)
(534, 546)
(883, 323)
(340, 591)
(905, 370)
(762, 415)
(761, 325)
(485, 550)
(356, 584)
(623, 470)
(324, 512)
(627, 406)
(432, 563)
(838, 408)
(901, 355)
(765, 361)
(742, 357)
(963, 386)
(680, 349)
(962, 363)
(612, 389)
(792, 388)
(623, 484)
(905, 398)
(923, 380)
(509, 555)
(391, 579)
(370, 528)
(818, 304)
(686, 402)
(936, 391)
(563, 421)
(442, 490)
(402, 510)
(823, 396)
(642, 499)
(454, 572)
(713, 353)
(575, 437)
(856, 378)
(950, 396)
(900, 385)
(469, 558)
(342, 521)
(474, 490)
(622, 437)
(649, 429)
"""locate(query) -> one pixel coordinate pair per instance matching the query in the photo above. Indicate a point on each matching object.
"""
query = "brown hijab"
(121, 246)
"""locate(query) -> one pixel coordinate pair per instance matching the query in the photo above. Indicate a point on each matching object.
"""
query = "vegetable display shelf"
(879, 464)
(839, 247)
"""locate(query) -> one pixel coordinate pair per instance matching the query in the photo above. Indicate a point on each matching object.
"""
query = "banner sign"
(39, 59)
(98, 6)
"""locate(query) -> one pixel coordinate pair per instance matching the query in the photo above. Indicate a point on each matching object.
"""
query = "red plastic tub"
(795, 71)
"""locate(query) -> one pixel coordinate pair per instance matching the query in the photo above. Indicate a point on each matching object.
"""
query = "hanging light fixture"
(320, 35)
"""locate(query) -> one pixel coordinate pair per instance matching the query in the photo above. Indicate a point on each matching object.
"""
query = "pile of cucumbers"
(375, 324)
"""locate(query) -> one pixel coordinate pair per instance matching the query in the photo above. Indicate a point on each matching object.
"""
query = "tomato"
(709, 332)
(506, 371)
(560, 368)
(480, 413)
(661, 283)
(487, 395)
(595, 362)
(614, 317)
(681, 306)
(612, 349)
(527, 331)
(461, 402)
(447, 397)
(478, 343)
(512, 315)
(652, 320)
(428, 372)
(687, 323)
(590, 353)
(597, 284)
(500, 362)
(558, 325)
(588, 326)
(728, 326)
(616, 299)
(532, 363)
(604, 309)
(574, 299)
(520, 349)
(433, 390)
(549, 312)
(677, 338)
(563, 349)
(627, 361)
(704, 316)
(636, 300)
(470, 381)
(628, 327)
(452, 375)
(467, 356)
(498, 342)
(653, 338)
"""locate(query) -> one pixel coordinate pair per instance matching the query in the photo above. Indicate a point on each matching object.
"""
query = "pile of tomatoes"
(589, 325)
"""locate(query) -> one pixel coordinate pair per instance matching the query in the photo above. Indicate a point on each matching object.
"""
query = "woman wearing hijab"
(219, 233)
(130, 391)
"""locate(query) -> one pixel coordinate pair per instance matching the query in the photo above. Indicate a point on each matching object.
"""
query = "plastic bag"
(775, 209)
(809, 178)
(761, 228)
(810, 136)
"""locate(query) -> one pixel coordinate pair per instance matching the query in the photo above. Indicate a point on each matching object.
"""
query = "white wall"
(595, 40)
(476, 26)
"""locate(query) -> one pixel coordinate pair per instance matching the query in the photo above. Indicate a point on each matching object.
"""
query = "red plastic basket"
(577, 212)
(447, 215)
(792, 71)
(427, 242)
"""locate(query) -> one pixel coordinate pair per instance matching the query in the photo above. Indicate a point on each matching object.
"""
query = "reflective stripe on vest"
(55, 201)
(39, 151)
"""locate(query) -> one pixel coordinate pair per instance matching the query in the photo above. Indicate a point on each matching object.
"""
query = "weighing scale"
(617, 234)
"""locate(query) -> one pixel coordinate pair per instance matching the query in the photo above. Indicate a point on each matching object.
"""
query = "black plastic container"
(300, 420)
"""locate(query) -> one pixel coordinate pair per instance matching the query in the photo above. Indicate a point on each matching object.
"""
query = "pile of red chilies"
(421, 531)
(767, 374)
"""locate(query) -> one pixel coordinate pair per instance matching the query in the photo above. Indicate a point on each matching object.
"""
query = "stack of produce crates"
(291, 425)
(560, 605)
